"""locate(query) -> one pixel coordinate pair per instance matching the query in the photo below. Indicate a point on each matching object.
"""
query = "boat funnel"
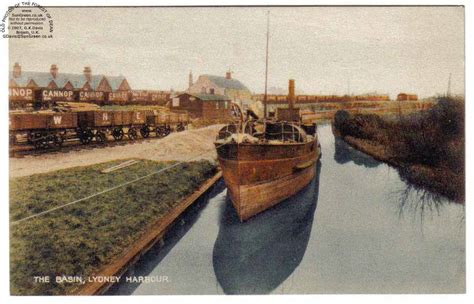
(291, 94)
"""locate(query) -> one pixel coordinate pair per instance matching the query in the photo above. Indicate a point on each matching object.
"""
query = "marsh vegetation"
(427, 146)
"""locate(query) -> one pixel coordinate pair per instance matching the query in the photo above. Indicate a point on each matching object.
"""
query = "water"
(357, 228)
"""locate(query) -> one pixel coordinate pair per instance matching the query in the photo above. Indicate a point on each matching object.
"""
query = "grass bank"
(427, 146)
(80, 239)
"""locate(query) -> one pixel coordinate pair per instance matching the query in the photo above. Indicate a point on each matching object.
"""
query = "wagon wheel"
(167, 130)
(145, 131)
(30, 137)
(132, 133)
(180, 127)
(85, 136)
(40, 144)
(100, 137)
(40, 141)
(163, 131)
(58, 140)
(160, 132)
(118, 134)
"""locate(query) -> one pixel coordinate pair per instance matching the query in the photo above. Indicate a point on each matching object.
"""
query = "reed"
(427, 146)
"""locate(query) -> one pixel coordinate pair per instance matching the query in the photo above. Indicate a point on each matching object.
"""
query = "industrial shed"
(206, 106)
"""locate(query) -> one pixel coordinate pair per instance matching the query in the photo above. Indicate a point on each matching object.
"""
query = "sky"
(327, 50)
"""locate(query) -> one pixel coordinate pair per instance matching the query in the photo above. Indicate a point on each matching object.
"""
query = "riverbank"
(77, 242)
(427, 147)
(153, 234)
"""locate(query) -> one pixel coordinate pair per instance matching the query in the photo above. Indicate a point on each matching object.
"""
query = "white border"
(365, 299)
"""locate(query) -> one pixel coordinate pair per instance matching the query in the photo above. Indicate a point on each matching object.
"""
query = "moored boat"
(265, 161)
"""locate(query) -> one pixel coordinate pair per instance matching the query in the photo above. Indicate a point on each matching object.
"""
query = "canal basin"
(357, 228)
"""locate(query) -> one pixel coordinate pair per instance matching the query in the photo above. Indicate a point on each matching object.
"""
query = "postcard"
(235, 150)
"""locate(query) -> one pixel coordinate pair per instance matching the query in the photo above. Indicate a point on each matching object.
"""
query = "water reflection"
(256, 256)
(365, 239)
(159, 251)
(419, 203)
(344, 153)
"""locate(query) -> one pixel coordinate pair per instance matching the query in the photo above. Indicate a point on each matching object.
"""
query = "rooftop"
(226, 83)
(209, 97)
(42, 79)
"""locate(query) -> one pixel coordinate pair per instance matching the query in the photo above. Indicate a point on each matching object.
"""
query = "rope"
(110, 189)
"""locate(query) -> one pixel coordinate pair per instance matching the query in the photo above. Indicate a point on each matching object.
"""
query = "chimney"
(54, 70)
(228, 75)
(291, 93)
(16, 70)
(88, 73)
(190, 78)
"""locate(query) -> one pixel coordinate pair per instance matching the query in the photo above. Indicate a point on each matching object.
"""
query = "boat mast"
(266, 68)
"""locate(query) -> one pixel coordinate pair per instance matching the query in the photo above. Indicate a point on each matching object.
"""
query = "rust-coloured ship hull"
(259, 176)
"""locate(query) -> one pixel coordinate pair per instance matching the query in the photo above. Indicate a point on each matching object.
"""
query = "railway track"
(24, 149)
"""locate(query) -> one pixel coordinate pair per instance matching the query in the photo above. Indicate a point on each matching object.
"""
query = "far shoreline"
(427, 147)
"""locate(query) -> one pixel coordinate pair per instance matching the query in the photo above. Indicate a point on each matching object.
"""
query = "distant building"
(282, 91)
(310, 99)
(206, 106)
(68, 81)
(406, 97)
(217, 85)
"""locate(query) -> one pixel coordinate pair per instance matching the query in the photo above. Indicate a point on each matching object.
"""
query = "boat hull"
(259, 176)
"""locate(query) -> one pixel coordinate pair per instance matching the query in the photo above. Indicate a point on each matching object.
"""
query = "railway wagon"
(139, 97)
(163, 123)
(42, 129)
(47, 97)
(99, 124)
(117, 98)
(93, 124)
(42, 98)
(20, 97)
(46, 129)
(131, 122)
(96, 97)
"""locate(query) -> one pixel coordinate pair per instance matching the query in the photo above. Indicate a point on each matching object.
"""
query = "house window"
(211, 91)
(226, 105)
(217, 105)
